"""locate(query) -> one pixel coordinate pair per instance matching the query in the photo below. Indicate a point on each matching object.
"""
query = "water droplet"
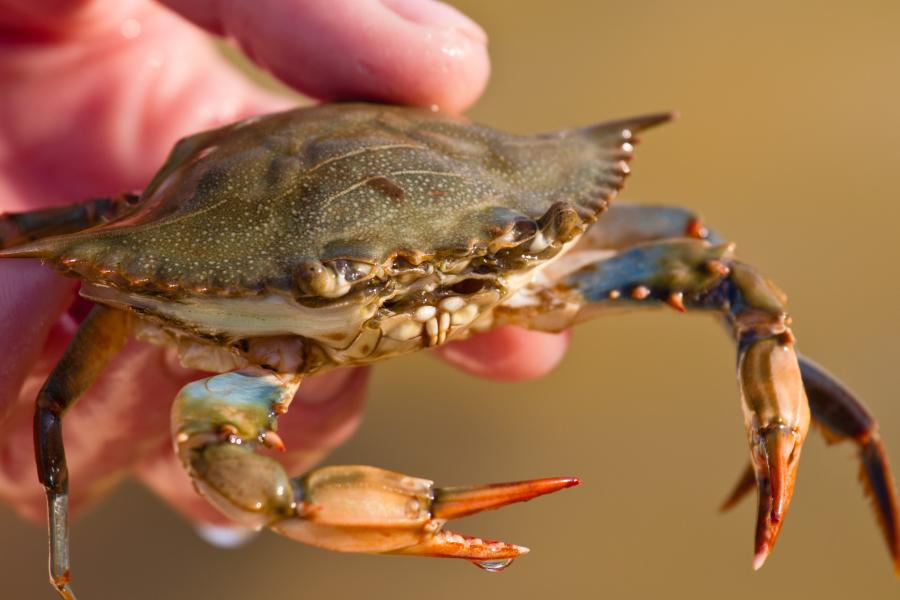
(493, 566)
(225, 536)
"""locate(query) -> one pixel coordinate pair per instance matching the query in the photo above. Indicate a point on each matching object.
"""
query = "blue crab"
(286, 245)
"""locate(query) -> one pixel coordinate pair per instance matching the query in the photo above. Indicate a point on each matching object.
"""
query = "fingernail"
(432, 13)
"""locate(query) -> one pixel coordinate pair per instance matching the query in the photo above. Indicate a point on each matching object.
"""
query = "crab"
(285, 245)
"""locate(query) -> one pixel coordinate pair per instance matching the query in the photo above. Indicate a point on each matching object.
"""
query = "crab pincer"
(776, 417)
(220, 422)
(841, 416)
(367, 509)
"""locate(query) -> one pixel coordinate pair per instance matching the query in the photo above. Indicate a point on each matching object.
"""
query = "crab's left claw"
(367, 509)
(776, 416)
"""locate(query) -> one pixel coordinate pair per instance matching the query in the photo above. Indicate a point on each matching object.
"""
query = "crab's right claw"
(776, 416)
(366, 509)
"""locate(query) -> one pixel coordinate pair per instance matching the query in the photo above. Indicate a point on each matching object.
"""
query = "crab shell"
(342, 234)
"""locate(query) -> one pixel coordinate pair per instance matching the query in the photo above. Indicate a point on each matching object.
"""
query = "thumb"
(419, 52)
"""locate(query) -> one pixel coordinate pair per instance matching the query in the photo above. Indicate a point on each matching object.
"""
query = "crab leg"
(18, 228)
(627, 224)
(218, 423)
(842, 416)
(100, 337)
(692, 274)
(832, 405)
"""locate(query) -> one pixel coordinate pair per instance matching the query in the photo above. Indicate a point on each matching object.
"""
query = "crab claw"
(776, 416)
(774, 461)
(366, 509)
(455, 502)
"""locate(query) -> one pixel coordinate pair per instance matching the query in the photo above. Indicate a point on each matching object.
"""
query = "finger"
(60, 18)
(146, 78)
(31, 299)
(507, 353)
(123, 416)
(420, 52)
(325, 412)
(126, 101)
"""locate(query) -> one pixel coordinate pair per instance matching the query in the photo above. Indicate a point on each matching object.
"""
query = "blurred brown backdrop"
(789, 144)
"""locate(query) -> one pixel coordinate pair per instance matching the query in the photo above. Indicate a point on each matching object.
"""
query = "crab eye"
(561, 223)
(315, 279)
(524, 230)
(350, 270)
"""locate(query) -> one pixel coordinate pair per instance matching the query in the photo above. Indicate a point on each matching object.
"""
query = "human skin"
(95, 92)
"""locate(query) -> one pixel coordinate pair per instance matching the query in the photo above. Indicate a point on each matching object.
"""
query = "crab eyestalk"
(220, 421)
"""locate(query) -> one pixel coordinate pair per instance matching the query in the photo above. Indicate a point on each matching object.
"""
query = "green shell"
(237, 209)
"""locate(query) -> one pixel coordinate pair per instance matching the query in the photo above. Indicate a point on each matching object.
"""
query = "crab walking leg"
(693, 274)
(18, 228)
(100, 337)
(626, 224)
(219, 422)
(842, 416)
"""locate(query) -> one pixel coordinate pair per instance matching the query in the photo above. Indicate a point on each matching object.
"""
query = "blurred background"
(788, 144)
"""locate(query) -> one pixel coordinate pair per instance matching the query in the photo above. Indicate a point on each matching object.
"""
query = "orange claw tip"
(456, 502)
(767, 532)
(760, 557)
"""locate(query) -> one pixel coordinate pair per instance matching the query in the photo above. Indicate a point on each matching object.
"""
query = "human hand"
(95, 94)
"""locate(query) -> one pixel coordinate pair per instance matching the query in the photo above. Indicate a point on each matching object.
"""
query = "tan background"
(789, 144)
